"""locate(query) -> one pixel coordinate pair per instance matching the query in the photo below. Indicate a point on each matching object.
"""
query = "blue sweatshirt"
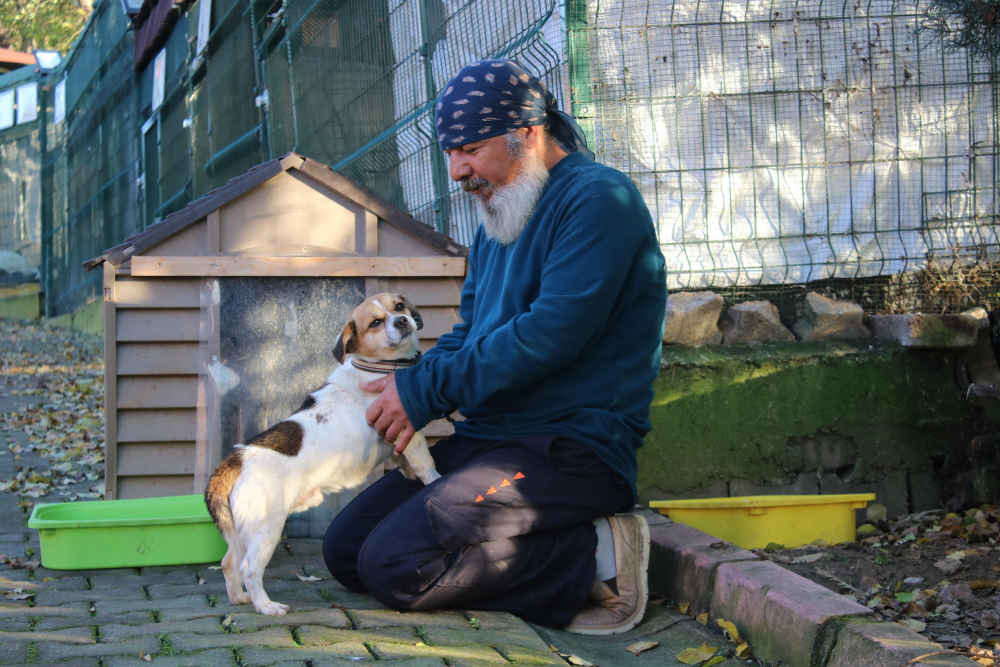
(561, 330)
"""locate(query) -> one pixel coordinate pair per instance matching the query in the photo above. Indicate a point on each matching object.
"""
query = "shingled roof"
(317, 171)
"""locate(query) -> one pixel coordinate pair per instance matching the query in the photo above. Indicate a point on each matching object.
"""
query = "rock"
(929, 331)
(805, 484)
(830, 319)
(692, 319)
(955, 592)
(892, 492)
(754, 322)
(981, 316)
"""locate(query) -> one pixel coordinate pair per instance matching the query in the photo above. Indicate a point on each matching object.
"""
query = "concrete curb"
(785, 618)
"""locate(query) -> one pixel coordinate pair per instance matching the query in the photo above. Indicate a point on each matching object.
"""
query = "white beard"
(509, 209)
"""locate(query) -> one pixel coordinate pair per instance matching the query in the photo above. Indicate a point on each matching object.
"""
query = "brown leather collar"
(385, 367)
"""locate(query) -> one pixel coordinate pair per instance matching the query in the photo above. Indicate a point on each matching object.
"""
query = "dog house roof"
(316, 171)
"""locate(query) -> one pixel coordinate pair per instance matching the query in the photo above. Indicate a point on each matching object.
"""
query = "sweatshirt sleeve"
(592, 252)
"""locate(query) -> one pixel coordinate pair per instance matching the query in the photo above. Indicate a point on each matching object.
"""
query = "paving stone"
(180, 578)
(43, 572)
(63, 583)
(692, 318)
(330, 618)
(304, 547)
(673, 630)
(337, 594)
(12, 652)
(168, 591)
(82, 635)
(111, 634)
(886, 645)
(778, 612)
(53, 598)
(193, 612)
(187, 643)
(318, 656)
(925, 330)
(365, 618)
(122, 606)
(15, 624)
(76, 609)
(393, 651)
(61, 622)
(682, 563)
(219, 657)
(524, 638)
(312, 635)
(171, 569)
(102, 582)
(83, 662)
(49, 652)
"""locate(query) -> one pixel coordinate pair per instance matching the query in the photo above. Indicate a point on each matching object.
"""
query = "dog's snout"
(401, 324)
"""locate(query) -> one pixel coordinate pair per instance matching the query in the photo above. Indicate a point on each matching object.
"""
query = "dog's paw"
(271, 608)
(241, 598)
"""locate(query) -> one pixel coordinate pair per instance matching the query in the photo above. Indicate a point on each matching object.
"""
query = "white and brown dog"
(325, 447)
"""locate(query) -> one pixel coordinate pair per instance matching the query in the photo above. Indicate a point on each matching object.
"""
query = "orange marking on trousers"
(479, 498)
(505, 482)
(492, 490)
(518, 476)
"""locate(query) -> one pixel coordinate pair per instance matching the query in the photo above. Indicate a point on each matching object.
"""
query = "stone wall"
(824, 417)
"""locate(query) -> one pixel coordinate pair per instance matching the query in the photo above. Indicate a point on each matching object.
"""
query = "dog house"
(221, 318)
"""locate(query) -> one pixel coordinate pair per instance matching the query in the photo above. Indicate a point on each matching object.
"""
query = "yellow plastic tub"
(754, 521)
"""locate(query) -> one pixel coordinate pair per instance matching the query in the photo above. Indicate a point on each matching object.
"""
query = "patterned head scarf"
(493, 97)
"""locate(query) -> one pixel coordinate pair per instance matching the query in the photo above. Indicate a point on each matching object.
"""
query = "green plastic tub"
(175, 530)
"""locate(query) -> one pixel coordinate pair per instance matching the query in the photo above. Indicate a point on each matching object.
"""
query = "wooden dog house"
(222, 317)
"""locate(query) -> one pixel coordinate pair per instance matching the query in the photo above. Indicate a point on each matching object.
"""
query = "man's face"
(481, 164)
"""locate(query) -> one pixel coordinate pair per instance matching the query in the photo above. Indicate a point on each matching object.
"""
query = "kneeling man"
(552, 366)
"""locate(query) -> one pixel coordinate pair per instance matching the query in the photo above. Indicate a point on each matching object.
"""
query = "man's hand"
(386, 414)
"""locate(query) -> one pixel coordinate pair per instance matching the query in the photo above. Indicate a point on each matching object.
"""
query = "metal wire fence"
(780, 145)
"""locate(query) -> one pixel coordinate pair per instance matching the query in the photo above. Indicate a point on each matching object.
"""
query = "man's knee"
(399, 572)
(340, 552)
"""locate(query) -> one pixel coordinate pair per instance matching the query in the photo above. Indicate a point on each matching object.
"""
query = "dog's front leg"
(418, 455)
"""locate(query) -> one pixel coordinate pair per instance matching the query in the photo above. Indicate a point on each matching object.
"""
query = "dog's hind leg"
(231, 570)
(260, 546)
(418, 456)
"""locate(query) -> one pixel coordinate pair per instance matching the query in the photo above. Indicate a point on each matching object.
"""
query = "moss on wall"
(750, 412)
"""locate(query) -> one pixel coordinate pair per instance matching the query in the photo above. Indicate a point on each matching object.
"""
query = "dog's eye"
(375, 324)
(399, 307)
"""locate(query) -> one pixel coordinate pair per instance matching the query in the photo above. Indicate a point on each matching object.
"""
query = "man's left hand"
(386, 414)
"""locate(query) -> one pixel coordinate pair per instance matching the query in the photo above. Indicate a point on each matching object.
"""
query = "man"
(552, 366)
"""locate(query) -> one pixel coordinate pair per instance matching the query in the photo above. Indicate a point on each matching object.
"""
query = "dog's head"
(383, 327)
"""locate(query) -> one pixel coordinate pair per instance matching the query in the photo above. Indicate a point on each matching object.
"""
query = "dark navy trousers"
(507, 528)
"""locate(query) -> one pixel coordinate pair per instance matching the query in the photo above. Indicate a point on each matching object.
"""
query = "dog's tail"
(219, 488)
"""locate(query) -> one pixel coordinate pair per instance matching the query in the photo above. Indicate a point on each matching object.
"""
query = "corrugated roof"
(316, 171)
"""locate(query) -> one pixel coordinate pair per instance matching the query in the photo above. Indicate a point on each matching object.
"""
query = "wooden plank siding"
(157, 358)
(178, 425)
(158, 391)
(302, 267)
(155, 487)
(155, 458)
(149, 325)
(158, 292)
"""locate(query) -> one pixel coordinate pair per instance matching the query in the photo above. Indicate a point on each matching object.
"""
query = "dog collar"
(385, 367)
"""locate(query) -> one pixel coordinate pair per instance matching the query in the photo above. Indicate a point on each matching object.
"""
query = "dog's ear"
(414, 313)
(347, 341)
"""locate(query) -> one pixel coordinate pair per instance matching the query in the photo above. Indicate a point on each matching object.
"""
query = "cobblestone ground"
(179, 616)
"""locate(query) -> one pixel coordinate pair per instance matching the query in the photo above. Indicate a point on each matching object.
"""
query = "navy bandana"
(493, 97)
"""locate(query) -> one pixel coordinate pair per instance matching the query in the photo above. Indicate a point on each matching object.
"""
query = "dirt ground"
(935, 572)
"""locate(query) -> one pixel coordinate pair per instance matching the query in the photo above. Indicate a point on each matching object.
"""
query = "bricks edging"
(771, 605)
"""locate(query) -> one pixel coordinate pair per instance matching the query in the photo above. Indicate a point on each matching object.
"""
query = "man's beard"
(505, 210)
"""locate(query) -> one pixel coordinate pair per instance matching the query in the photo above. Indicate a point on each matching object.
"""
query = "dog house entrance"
(267, 343)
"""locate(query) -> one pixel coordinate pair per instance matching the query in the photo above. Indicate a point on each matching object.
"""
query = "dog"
(324, 447)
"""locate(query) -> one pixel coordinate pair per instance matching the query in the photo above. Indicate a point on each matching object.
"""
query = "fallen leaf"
(145, 656)
(956, 555)
(913, 581)
(865, 529)
(214, 567)
(904, 597)
(309, 578)
(337, 605)
(773, 546)
(983, 583)
(744, 652)
(201, 582)
(580, 662)
(948, 566)
(639, 647)
(18, 596)
(692, 656)
(717, 660)
(955, 592)
(989, 619)
(808, 558)
(718, 545)
(732, 634)
(702, 618)
(553, 648)
(683, 607)
(913, 624)
(875, 512)
(228, 621)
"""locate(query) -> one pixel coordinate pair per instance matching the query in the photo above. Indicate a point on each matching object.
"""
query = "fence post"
(581, 90)
(429, 34)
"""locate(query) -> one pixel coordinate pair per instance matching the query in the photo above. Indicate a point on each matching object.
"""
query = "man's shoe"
(607, 613)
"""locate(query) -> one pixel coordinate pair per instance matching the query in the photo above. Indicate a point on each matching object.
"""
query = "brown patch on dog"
(320, 418)
(284, 438)
(347, 341)
(219, 487)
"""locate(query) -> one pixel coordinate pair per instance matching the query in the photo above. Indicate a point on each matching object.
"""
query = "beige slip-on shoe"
(606, 613)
